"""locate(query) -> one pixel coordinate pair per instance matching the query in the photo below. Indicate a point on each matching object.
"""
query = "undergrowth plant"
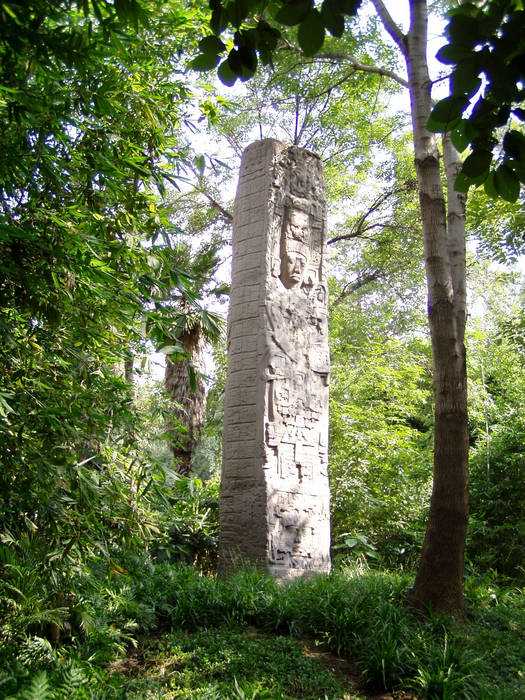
(356, 613)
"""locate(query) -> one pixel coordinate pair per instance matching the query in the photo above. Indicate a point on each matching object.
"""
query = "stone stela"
(274, 501)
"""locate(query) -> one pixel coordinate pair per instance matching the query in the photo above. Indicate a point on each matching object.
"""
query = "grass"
(172, 633)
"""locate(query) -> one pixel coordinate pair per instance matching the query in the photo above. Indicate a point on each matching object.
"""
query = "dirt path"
(347, 671)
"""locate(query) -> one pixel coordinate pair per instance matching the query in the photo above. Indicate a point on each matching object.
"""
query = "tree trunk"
(188, 406)
(128, 370)
(439, 580)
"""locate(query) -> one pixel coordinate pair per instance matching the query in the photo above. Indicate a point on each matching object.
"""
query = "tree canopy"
(486, 50)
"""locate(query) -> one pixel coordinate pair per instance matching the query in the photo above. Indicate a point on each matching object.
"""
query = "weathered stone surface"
(274, 509)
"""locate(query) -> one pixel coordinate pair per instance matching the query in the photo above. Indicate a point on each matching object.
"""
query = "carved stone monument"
(274, 502)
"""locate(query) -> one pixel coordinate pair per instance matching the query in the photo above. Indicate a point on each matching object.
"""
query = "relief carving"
(295, 247)
(292, 363)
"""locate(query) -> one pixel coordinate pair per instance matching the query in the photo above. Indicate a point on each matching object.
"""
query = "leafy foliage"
(242, 664)
(487, 52)
(498, 227)
(192, 524)
(380, 412)
(95, 527)
(352, 612)
(89, 113)
(254, 41)
(381, 446)
(497, 466)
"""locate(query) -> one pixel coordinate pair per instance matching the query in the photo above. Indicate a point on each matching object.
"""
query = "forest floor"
(171, 632)
(297, 669)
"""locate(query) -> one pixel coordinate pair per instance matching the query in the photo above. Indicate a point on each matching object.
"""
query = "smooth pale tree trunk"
(439, 580)
(188, 406)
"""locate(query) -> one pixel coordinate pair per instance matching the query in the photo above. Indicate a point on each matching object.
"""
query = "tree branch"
(390, 26)
(343, 56)
(360, 227)
(360, 233)
(365, 67)
(352, 287)
(225, 214)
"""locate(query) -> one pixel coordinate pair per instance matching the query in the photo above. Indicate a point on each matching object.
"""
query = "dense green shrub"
(497, 522)
(94, 592)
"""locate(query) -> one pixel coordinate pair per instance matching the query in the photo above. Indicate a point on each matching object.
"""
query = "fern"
(39, 688)
(73, 678)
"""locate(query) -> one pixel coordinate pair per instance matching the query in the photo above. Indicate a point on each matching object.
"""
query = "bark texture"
(439, 580)
(187, 406)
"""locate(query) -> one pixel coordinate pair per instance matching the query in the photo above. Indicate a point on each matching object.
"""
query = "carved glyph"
(274, 488)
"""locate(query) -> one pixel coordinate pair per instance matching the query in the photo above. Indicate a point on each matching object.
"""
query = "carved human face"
(294, 249)
(293, 266)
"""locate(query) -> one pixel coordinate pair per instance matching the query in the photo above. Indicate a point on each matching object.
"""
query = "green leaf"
(347, 7)
(104, 106)
(235, 62)
(472, 131)
(205, 61)
(248, 59)
(171, 349)
(477, 164)
(293, 12)
(507, 183)
(466, 8)
(451, 54)
(464, 79)
(267, 36)
(237, 11)
(446, 113)
(519, 169)
(311, 33)
(333, 20)
(242, 62)
(464, 31)
(462, 182)
(199, 162)
(490, 187)
(226, 75)
(219, 19)
(128, 11)
(211, 45)
(137, 167)
(5, 408)
(502, 115)
(459, 137)
(247, 38)
(487, 113)
(514, 144)
(40, 688)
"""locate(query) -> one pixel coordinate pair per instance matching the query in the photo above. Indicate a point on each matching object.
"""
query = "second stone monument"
(274, 502)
